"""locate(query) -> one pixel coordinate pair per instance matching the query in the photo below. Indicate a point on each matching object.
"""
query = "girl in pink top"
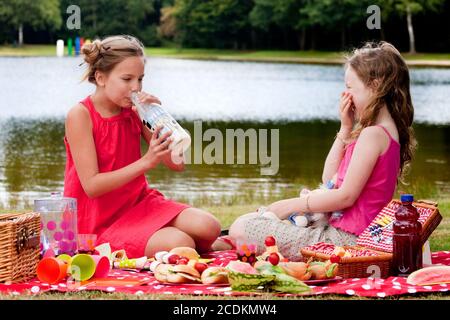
(374, 145)
(105, 168)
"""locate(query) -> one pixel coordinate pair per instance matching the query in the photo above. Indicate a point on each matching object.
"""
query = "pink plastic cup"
(102, 266)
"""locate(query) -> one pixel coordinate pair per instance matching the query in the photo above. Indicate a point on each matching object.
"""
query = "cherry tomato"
(200, 267)
(270, 241)
(274, 258)
(183, 261)
(173, 259)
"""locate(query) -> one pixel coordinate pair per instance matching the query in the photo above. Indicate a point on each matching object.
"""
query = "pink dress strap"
(387, 132)
(95, 116)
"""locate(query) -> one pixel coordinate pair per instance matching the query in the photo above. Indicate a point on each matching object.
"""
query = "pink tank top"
(377, 192)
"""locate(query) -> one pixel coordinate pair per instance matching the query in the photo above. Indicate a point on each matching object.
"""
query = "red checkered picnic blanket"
(145, 283)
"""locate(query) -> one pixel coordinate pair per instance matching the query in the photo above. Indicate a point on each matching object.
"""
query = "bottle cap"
(406, 198)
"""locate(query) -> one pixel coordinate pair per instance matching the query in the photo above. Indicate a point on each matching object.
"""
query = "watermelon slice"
(430, 276)
(243, 277)
(241, 267)
(282, 281)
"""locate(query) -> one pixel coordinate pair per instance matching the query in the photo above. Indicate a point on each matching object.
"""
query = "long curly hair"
(381, 67)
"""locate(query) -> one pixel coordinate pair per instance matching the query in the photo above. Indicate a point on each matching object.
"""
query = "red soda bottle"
(407, 246)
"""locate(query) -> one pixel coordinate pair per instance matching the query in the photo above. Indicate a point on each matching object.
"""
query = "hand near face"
(347, 110)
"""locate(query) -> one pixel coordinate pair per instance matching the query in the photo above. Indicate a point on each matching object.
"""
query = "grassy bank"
(313, 57)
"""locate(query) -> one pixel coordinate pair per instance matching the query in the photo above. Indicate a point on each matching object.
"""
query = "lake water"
(300, 101)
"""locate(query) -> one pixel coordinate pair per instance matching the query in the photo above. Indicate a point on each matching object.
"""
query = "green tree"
(284, 14)
(216, 23)
(333, 15)
(100, 18)
(409, 8)
(36, 14)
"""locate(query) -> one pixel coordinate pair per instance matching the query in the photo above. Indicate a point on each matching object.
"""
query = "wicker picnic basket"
(356, 267)
(378, 263)
(19, 246)
(431, 223)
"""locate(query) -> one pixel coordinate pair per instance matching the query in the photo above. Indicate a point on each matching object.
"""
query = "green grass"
(28, 50)
(227, 213)
(319, 57)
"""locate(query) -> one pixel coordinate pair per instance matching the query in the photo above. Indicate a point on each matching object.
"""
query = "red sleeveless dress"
(128, 216)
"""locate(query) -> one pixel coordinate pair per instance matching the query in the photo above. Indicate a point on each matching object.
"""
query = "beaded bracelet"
(340, 138)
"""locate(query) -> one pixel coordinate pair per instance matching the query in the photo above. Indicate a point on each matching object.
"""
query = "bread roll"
(187, 252)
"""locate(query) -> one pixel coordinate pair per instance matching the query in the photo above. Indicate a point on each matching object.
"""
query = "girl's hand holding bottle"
(158, 148)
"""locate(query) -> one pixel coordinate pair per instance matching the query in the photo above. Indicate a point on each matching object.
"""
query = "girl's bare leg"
(236, 230)
(200, 225)
(166, 239)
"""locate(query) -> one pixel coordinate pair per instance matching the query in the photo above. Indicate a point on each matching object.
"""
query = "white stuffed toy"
(313, 219)
(309, 219)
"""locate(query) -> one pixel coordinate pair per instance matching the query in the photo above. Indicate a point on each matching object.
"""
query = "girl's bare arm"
(79, 136)
(337, 150)
(368, 148)
(334, 157)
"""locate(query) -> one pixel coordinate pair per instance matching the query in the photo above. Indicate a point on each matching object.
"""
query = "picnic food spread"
(184, 265)
(270, 271)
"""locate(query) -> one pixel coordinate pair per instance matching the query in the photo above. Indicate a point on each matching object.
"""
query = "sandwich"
(179, 273)
(215, 275)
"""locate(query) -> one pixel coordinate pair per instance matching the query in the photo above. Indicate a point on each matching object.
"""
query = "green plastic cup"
(82, 267)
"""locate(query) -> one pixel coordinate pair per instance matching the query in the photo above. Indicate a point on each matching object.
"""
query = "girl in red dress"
(105, 168)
